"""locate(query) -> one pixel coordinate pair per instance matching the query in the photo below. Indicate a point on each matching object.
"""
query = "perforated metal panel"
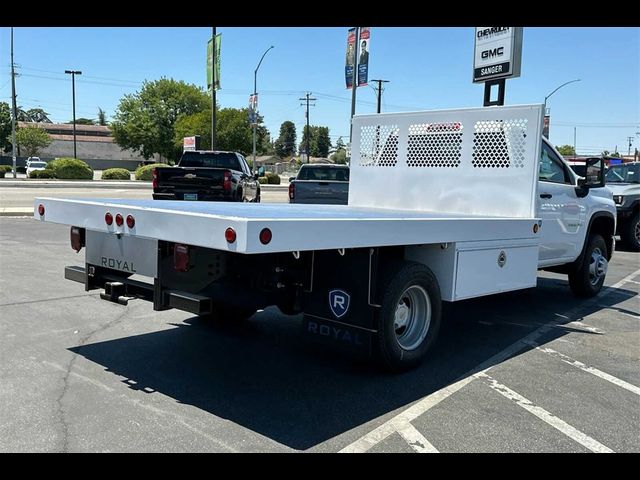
(480, 161)
(379, 145)
(499, 143)
(434, 145)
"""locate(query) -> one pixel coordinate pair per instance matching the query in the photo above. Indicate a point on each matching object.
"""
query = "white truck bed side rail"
(481, 161)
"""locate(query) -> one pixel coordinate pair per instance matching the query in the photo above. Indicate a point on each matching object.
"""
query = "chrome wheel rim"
(412, 317)
(636, 232)
(597, 266)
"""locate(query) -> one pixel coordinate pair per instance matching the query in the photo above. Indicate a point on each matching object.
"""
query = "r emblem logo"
(339, 302)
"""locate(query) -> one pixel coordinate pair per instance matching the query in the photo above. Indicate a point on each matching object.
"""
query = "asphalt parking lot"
(529, 371)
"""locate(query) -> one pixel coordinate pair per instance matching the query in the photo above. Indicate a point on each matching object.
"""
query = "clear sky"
(428, 68)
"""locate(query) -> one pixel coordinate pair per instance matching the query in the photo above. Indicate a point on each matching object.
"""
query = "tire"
(630, 233)
(405, 335)
(225, 314)
(587, 278)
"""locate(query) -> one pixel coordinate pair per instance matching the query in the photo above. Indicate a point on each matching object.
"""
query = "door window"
(551, 167)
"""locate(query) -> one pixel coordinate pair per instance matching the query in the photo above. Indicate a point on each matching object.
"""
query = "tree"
(32, 138)
(38, 115)
(5, 127)
(285, 145)
(235, 133)
(566, 150)
(340, 156)
(322, 142)
(319, 142)
(102, 117)
(145, 121)
(84, 121)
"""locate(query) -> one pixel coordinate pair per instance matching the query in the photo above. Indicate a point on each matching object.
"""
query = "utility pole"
(213, 89)
(379, 90)
(13, 108)
(73, 74)
(354, 85)
(629, 139)
(575, 154)
(308, 99)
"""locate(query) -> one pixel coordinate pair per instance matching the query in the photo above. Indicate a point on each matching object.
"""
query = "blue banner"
(363, 60)
(351, 55)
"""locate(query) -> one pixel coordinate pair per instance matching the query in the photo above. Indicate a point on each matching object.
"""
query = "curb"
(18, 212)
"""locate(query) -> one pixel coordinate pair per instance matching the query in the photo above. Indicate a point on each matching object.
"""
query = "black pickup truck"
(207, 175)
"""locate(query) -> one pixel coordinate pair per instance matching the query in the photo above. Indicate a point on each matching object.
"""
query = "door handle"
(545, 195)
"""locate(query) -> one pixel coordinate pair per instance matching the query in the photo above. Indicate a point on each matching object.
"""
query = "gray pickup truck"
(320, 183)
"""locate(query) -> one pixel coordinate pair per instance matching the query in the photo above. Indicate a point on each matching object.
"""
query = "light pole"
(73, 74)
(567, 83)
(255, 99)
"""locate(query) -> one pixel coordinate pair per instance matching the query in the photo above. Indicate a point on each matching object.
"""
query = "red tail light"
(77, 238)
(154, 182)
(292, 191)
(108, 218)
(230, 235)
(226, 183)
(41, 209)
(119, 220)
(181, 257)
(265, 236)
(131, 222)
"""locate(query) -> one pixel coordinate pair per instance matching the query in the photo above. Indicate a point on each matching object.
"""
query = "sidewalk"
(119, 184)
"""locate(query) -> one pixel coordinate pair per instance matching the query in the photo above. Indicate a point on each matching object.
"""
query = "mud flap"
(337, 309)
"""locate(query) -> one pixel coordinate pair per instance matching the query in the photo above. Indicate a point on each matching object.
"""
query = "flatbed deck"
(294, 227)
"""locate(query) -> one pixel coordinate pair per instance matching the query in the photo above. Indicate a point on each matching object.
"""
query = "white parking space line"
(415, 439)
(381, 432)
(399, 421)
(588, 369)
(560, 425)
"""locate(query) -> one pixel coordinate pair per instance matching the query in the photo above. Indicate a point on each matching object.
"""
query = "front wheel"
(630, 233)
(586, 279)
(409, 319)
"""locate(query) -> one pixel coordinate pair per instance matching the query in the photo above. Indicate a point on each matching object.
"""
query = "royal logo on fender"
(339, 302)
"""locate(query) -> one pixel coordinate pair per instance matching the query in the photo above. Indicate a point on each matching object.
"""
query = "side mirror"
(291, 179)
(593, 178)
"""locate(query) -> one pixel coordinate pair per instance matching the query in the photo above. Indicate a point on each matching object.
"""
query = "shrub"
(116, 174)
(262, 180)
(273, 179)
(70, 169)
(43, 174)
(146, 172)
(5, 168)
(2, 172)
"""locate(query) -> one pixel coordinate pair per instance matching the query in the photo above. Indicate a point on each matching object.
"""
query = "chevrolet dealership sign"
(497, 53)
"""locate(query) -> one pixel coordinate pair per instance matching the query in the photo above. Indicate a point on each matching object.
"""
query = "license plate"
(191, 196)
(126, 253)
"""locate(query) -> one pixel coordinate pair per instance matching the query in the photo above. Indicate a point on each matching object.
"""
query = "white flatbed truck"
(443, 206)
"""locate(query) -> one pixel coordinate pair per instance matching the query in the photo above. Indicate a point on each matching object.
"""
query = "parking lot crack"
(62, 415)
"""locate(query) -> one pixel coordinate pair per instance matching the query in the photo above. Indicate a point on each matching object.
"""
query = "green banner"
(211, 72)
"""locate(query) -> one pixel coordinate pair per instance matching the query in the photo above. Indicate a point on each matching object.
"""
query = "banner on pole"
(213, 74)
(363, 61)
(351, 57)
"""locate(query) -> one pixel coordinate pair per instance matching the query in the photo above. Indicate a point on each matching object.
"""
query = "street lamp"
(255, 98)
(73, 74)
(545, 98)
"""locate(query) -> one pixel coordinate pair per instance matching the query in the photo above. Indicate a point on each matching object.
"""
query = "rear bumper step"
(76, 274)
(120, 290)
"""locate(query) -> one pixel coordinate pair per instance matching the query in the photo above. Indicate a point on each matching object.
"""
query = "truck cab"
(567, 211)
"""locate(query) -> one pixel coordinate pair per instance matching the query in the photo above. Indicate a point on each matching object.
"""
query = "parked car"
(320, 183)
(624, 181)
(34, 165)
(207, 175)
